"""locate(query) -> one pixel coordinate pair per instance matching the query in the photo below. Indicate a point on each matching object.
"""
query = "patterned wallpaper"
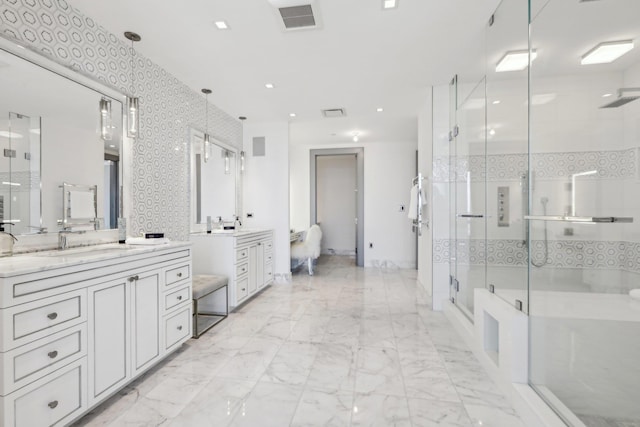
(160, 174)
(508, 167)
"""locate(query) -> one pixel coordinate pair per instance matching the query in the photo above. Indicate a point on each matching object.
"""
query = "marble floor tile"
(323, 408)
(268, 405)
(292, 364)
(380, 410)
(432, 413)
(378, 371)
(345, 347)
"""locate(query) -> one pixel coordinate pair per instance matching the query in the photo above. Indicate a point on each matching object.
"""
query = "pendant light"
(106, 129)
(133, 102)
(227, 162)
(242, 153)
(207, 142)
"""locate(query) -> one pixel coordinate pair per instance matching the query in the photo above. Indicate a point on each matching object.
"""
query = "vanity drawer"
(28, 322)
(34, 360)
(242, 269)
(177, 297)
(268, 273)
(268, 257)
(242, 288)
(242, 254)
(175, 275)
(52, 402)
(177, 327)
(268, 245)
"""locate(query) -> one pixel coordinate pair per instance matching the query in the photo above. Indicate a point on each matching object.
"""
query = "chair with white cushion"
(309, 249)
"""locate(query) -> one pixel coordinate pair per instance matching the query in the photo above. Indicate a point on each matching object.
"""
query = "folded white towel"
(413, 203)
(148, 242)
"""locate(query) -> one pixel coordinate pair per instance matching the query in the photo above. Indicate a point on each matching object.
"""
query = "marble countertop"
(32, 262)
(232, 233)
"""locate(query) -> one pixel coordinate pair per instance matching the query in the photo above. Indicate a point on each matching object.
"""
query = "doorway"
(337, 200)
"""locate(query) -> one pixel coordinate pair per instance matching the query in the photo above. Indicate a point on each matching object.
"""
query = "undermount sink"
(80, 252)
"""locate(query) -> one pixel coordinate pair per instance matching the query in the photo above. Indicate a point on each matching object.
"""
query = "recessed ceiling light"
(292, 114)
(389, 4)
(269, 86)
(515, 60)
(356, 136)
(112, 146)
(222, 25)
(606, 95)
(379, 109)
(496, 102)
(605, 53)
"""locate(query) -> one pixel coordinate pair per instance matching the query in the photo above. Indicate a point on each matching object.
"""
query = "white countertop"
(32, 262)
(232, 233)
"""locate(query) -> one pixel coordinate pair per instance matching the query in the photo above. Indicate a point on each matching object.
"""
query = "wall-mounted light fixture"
(242, 161)
(106, 131)
(133, 102)
(206, 146)
(356, 136)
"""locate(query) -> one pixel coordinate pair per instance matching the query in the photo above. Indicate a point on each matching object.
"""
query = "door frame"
(359, 153)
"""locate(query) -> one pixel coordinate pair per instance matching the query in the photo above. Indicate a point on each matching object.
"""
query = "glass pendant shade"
(206, 148)
(133, 116)
(106, 129)
(227, 162)
(242, 161)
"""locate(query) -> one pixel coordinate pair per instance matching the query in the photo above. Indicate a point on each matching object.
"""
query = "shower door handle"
(578, 219)
(470, 216)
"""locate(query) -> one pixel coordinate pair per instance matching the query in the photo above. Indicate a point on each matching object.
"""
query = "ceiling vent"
(334, 112)
(297, 17)
(297, 14)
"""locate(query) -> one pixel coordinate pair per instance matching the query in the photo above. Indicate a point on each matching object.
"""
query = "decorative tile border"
(562, 253)
(619, 164)
(160, 174)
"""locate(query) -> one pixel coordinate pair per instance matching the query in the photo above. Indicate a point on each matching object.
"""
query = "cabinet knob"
(133, 278)
(180, 327)
(179, 274)
(244, 289)
(53, 354)
(53, 404)
(52, 316)
(179, 297)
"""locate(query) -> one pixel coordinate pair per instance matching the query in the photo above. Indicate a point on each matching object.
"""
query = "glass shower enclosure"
(544, 196)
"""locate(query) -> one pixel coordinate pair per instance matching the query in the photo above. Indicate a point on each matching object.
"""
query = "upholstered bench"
(209, 307)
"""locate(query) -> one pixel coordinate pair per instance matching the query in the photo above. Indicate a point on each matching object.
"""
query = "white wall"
(266, 187)
(336, 203)
(425, 167)
(388, 170)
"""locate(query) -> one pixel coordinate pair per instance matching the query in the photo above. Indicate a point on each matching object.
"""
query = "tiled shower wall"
(615, 166)
(160, 162)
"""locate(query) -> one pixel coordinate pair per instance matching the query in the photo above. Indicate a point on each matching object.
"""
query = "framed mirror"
(56, 126)
(214, 181)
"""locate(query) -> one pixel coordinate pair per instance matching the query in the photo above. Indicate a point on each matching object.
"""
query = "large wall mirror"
(214, 181)
(55, 130)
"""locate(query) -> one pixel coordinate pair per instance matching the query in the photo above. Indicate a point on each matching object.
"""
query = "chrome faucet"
(63, 241)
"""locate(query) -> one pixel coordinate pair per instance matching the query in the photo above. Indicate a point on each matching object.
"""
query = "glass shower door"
(585, 254)
(469, 194)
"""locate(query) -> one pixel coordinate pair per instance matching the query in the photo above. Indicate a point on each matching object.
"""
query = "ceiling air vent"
(334, 112)
(297, 16)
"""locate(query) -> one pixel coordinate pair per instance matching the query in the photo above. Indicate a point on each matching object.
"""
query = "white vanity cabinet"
(246, 257)
(77, 329)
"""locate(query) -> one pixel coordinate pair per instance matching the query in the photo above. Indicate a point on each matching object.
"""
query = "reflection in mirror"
(54, 130)
(213, 182)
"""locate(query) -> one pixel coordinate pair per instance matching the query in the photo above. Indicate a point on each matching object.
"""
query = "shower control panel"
(503, 207)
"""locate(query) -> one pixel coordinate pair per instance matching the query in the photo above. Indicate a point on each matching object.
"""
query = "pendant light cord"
(132, 71)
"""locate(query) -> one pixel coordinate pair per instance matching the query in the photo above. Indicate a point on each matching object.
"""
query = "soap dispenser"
(6, 240)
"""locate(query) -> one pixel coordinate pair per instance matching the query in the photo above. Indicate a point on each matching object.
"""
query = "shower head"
(622, 100)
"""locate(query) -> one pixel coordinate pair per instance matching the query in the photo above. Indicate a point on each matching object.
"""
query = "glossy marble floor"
(348, 346)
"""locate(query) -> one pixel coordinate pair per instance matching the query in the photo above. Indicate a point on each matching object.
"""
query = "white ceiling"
(360, 59)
